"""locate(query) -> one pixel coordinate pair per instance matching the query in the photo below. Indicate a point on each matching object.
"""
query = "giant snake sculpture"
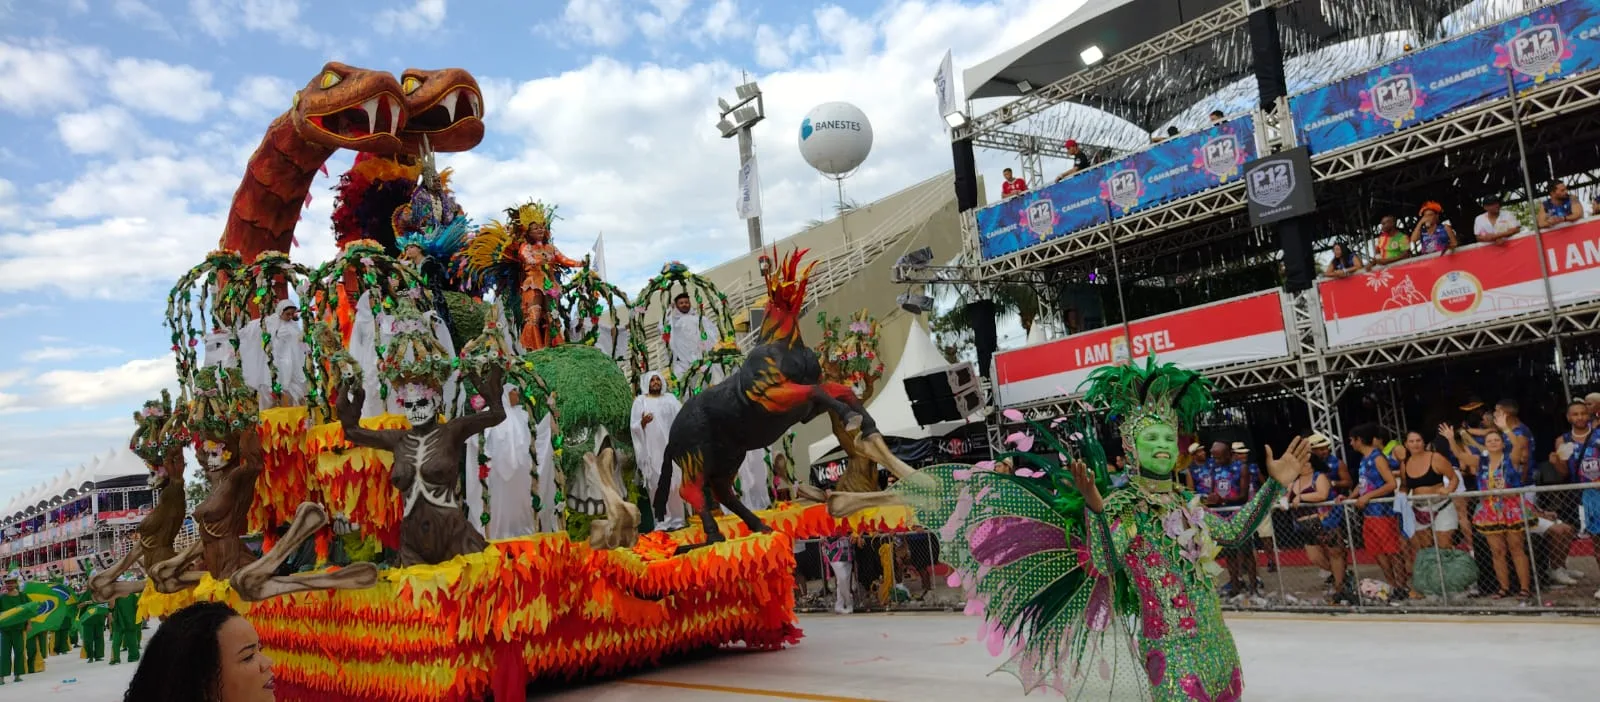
(345, 107)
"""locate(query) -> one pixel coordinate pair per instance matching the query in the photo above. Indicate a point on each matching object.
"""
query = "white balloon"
(835, 138)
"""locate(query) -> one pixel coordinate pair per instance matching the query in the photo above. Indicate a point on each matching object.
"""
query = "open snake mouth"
(379, 115)
(456, 105)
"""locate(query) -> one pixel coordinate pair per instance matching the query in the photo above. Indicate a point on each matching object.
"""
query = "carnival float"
(431, 433)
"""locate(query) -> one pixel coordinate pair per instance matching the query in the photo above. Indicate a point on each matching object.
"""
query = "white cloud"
(142, 14)
(106, 129)
(259, 96)
(722, 21)
(44, 78)
(667, 13)
(31, 454)
(19, 309)
(601, 22)
(422, 16)
(178, 92)
(852, 36)
(773, 50)
(221, 19)
(131, 381)
(67, 353)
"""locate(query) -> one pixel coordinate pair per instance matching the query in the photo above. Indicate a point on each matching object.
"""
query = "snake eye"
(410, 85)
(329, 79)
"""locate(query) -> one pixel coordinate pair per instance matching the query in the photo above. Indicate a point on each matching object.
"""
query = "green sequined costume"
(1118, 604)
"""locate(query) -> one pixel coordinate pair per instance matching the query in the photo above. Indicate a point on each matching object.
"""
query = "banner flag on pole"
(944, 84)
(598, 256)
(749, 204)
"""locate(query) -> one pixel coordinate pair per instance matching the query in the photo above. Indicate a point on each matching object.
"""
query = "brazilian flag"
(56, 603)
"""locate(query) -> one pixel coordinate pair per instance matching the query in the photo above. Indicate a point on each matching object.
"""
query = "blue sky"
(125, 126)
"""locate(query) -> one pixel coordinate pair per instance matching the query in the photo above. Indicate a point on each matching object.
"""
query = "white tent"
(891, 407)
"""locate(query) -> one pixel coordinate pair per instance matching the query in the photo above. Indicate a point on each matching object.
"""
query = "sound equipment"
(966, 167)
(1295, 235)
(945, 394)
(980, 317)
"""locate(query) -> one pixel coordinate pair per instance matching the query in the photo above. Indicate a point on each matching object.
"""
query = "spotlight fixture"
(914, 303)
(956, 120)
(916, 259)
(1091, 55)
(1024, 87)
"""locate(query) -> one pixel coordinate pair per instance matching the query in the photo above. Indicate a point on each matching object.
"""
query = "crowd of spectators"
(1434, 235)
(1400, 502)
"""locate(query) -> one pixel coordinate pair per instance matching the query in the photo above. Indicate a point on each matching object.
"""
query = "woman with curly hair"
(205, 652)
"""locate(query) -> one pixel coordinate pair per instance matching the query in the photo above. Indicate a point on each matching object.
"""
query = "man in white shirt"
(651, 423)
(692, 335)
(1494, 225)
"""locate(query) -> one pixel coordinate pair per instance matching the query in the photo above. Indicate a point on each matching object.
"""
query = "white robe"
(549, 512)
(508, 446)
(755, 480)
(650, 446)
(289, 352)
(368, 332)
(219, 350)
(686, 346)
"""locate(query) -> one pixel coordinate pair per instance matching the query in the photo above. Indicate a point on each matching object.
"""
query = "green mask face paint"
(1156, 446)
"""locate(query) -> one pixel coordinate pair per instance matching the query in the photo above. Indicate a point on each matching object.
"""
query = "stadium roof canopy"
(1155, 93)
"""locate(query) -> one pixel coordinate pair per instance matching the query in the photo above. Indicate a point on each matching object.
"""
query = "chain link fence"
(1519, 550)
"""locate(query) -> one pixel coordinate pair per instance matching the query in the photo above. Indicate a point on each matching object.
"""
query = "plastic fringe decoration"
(565, 610)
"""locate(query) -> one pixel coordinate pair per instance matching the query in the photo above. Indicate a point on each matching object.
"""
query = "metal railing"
(1451, 570)
(834, 268)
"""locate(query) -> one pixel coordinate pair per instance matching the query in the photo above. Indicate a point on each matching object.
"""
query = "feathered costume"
(518, 259)
(436, 225)
(1118, 604)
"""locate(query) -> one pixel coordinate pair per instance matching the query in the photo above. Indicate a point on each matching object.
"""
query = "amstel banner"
(1476, 284)
(1241, 330)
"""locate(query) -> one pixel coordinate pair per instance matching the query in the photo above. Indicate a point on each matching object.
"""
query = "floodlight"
(915, 304)
(746, 116)
(916, 259)
(723, 104)
(748, 91)
(1091, 55)
(1024, 87)
(726, 128)
(956, 120)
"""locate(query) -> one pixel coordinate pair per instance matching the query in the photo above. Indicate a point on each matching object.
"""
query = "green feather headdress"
(1137, 397)
(414, 354)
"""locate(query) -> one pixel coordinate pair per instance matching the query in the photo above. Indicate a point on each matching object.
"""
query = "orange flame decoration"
(565, 610)
(786, 292)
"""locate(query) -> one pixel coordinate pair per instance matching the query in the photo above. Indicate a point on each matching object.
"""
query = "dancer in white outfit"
(509, 448)
(653, 413)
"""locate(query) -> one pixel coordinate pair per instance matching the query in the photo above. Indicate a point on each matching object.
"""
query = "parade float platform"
(542, 609)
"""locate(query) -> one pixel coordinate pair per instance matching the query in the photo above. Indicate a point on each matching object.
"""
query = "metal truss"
(963, 275)
(1246, 376)
(1187, 35)
(1472, 124)
(1141, 225)
(1025, 144)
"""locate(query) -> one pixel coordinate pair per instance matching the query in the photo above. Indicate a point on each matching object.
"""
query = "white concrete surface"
(936, 657)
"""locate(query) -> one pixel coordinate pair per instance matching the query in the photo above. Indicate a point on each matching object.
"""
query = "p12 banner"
(1175, 168)
(1241, 330)
(1550, 43)
(1474, 285)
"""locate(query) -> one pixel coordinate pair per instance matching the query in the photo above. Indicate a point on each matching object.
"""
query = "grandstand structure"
(1500, 98)
(77, 520)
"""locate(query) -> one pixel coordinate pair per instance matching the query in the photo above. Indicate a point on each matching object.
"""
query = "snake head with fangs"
(351, 108)
(445, 107)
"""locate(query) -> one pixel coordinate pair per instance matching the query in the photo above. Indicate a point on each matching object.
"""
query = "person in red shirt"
(1013, 186)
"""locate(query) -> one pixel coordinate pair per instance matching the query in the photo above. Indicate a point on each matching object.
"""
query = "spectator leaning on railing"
(1393, 244)
(1560, 208)
(1577, 461)
(1499, 518)
(1494, 225)
(1344, 263)
(1080, 160)
(1012, 186)
(1433, 233)
(1380, 529)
